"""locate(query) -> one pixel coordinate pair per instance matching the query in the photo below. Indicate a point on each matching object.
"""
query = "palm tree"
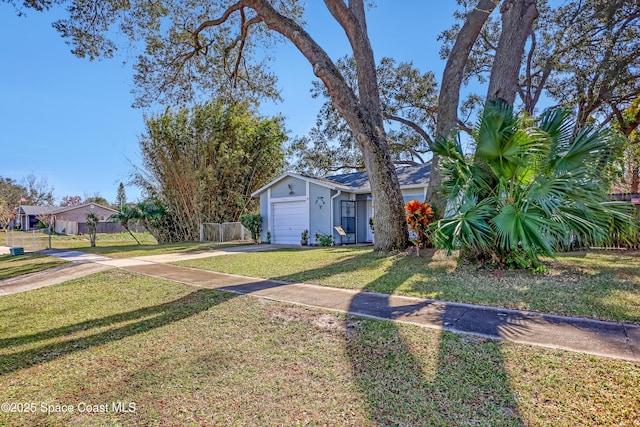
(92, 225)
(124, 215)
(149, 211)
(527, 188)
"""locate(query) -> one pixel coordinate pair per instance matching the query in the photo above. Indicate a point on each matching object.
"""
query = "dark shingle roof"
(408, 176)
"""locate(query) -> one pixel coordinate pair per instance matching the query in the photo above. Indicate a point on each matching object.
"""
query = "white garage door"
(289, 220)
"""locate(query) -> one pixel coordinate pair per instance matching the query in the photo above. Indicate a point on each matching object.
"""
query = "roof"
(408, 176)
(48, 210)
(70, 208)
(37, 210)
(358, 182)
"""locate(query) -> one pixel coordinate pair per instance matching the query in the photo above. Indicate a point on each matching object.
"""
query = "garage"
(289, 220)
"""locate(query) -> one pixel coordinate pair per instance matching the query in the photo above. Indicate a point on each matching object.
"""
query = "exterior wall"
(282, 189)
(319, 211)
(413, 194)
(279, 193)
(80, 214)
(69, 228)
(264, 212)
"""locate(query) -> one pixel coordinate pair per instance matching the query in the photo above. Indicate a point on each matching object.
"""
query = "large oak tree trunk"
(449, 98)
(362, 112)
(517, 21)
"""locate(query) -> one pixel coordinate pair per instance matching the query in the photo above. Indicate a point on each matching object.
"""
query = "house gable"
(286, 176)
(79, 213)
(289, 186)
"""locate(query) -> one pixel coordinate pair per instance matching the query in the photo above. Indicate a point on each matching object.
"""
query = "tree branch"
(413, 152)
(215, 22)
(323, 67)
(412, 125)
(463, 127)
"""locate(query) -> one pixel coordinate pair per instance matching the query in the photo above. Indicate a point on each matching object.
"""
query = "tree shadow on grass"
(143, 320)
(451, 380)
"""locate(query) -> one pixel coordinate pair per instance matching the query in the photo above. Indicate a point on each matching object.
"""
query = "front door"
(348, 220)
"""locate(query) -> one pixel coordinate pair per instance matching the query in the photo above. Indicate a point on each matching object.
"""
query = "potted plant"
(304, 238)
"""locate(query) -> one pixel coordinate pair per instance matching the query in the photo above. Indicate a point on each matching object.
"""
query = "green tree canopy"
(11, 192)
(409, 102)
(121, 196)
(202, 164)
(582, 54)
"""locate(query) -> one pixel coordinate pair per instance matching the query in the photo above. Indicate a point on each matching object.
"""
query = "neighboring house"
(65, 219)
(294, 202)
(28, 216)
(69, 219)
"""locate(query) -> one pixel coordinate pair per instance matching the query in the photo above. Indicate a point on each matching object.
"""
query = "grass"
(111, 245)
(128, 250)
(12, 266)
(202, 357)
(600, 285)
(37, 241)
(122, 245)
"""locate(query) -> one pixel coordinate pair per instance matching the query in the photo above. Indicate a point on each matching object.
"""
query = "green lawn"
(12, 266)
(185, 356)
(122, 245)
(601, 285)
(111, 245)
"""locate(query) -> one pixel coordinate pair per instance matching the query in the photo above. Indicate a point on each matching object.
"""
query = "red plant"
(418, 218)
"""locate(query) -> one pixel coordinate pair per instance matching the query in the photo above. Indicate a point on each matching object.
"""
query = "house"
(70, 219)
(65, 219)
(294, 202)
(29, 216)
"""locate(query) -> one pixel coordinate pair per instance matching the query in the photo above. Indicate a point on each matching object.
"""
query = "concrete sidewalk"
(79, 257)
(608, 339)
(52, 276)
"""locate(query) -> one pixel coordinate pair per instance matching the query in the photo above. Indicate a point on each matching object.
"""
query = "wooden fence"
(110, 228)
(223, 232)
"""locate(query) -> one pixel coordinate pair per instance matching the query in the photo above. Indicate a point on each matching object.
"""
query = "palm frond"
(468, 227)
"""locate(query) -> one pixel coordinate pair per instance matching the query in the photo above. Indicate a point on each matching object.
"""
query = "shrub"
(253, 223)
(527, 188)
(419, 217)
(324, 239)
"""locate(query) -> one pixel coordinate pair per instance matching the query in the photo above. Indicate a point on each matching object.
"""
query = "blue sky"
(70, 120)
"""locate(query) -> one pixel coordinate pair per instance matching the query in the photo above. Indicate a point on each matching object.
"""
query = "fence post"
(221, 232)
(201, 232)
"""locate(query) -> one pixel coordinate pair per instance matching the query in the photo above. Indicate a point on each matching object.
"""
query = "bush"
(418, 218)
(527, 187)
(253, 223)
(324, 239)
